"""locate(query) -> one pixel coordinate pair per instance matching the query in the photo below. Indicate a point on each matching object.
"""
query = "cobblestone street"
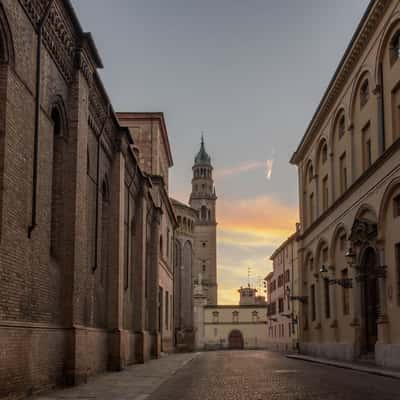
(260, 375)
(232, 375)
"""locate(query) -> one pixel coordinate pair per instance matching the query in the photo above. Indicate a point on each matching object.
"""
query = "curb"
(354, 367)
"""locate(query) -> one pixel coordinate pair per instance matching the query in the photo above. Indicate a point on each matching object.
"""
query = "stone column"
(380, 119)
(383, 321)
(332, 178)
(139, 277)
(318, 301)
(116, 267)
(356, 321)
(352, 160)
(153, 300)
(333, 288)
(75, 267)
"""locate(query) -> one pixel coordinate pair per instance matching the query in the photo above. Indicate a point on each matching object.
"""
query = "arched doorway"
(236, 341)
(369, 301)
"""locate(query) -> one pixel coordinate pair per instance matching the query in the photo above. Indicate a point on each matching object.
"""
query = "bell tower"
(203, 200)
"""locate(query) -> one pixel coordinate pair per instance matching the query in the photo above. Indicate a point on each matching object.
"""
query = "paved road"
(259, 375)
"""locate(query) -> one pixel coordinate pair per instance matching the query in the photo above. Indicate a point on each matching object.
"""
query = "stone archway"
(236, 341)
(369, 300)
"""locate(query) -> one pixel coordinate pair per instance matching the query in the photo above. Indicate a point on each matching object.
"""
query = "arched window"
(341, 126)
(203, 213)
(310, 173)
(57, 196)
(161, 246)
(395, 47)
(364, 93)
(324, 153)
(179, 220)
(209, 214)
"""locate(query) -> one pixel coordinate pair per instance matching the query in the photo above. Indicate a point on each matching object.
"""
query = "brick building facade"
(82, 222)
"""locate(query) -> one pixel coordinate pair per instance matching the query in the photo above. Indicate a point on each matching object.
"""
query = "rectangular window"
(311, 210)
(215, 317)
(396, 206)
(397, 249)
(287, 276)
(290, 329)
(343, 173)
(283, 330)
(166, 309)
(313, 312)
(327, 299)
(325, 193)
(345, 294)
(280, 306)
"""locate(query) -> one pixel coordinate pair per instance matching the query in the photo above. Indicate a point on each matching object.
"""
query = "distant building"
(248, 296)
(230, 326)
(282, 286)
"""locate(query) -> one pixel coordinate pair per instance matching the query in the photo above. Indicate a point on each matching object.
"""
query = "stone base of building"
(287, 347)
(387, 355)
(334, 351)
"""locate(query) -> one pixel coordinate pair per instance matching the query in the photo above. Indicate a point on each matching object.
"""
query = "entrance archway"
(236, 341)
(369, 301)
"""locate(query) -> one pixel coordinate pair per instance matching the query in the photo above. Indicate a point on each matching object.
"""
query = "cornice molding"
(358, 44)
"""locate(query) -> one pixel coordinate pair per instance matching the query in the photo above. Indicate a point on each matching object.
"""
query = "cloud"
(262, 217)
(270, 164)
(239, 169)
(248, 232)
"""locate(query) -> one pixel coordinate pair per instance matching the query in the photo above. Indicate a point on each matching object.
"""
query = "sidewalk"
(370, 369)
(136, 382)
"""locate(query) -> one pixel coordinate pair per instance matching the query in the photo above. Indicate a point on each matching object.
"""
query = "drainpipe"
(96, 230)
(40, 26)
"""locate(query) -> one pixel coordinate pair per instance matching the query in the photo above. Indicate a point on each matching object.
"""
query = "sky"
(249, 74)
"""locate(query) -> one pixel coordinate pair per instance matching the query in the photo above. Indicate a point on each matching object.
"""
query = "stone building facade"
(349, 189)
(184, 275)
(283, 286)
(81, 219)
(153, 150)
(229, 326)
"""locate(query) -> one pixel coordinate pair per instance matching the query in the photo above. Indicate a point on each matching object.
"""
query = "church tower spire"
(203, 200)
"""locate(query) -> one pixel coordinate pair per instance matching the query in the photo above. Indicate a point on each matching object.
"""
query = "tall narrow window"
(364, 93)
(168, 244)
(345, 294)
(57, 197)
(311, 208)
(325, 193)
(324, 153)
(327, 300)
(343, 173)
(203, 213)
(396, 206)
(395, 48)
(367, 149)
(166, 309)
(313, 310)
(341, 126)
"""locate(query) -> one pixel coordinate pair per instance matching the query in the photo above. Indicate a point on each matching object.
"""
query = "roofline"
(85, 35)
(290, 239)
(293, 159)
(146, 116)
